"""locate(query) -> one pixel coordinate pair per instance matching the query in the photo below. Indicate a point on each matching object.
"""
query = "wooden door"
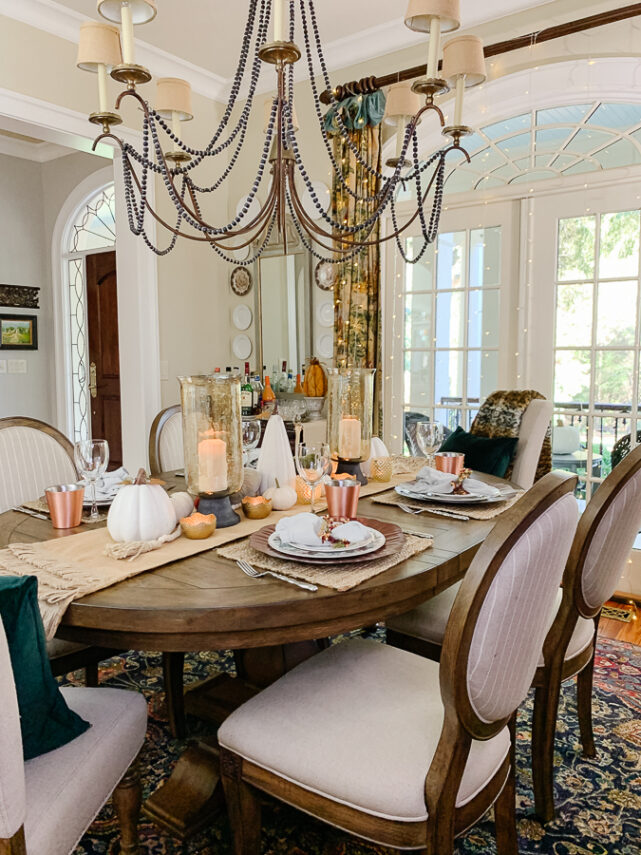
(104, 356)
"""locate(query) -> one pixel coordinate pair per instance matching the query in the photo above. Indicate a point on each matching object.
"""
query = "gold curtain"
(357, 292)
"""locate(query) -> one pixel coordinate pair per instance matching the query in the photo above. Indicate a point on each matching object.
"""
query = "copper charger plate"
(394, 539)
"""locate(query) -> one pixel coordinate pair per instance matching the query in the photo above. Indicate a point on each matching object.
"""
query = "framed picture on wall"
(18, 332)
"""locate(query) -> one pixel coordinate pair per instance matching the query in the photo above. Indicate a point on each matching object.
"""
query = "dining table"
(206, 603)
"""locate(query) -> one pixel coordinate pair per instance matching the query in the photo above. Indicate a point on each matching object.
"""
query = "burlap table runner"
(41, 506)
(475, 512)
(340, 577)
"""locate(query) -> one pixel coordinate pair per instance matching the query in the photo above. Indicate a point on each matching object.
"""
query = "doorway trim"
(137, 272)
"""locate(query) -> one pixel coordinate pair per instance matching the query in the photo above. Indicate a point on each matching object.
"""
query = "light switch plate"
(3, 366)
(17, 366)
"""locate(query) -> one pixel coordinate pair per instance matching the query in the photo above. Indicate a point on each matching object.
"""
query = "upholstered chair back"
(534, 427)
(166, 441)
(510, 590)
(12, 783)
(608, 531)
(33, 455)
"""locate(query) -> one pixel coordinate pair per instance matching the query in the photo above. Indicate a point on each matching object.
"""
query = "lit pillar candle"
(212, 466)
(433, 46)
(458, 104)
(279, 21)
(102, 88)
(127, 34)
(349, 438)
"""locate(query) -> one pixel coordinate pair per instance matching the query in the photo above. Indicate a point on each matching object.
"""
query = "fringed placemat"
(340, 577)
(474, 512)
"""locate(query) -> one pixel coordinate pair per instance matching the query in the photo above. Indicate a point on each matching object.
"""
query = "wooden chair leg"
(172, 666)
(584, 706)
(243, 805)
(505, 806)
(127, 799)
(546, 703)
(91, 675)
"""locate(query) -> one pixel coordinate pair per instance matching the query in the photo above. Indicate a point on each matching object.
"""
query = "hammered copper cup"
(342, 499)
(449, 461)
(65, 504)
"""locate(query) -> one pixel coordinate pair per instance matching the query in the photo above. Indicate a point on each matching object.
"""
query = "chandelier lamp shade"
(278, 34)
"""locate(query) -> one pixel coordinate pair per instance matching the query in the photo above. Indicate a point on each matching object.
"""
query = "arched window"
(91, 230)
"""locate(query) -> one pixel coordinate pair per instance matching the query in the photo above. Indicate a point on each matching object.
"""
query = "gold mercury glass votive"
(212, 441)
(381, 469)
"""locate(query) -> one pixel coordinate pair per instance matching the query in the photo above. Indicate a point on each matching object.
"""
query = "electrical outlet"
(3, 366)
(164, 369)
(17, 366)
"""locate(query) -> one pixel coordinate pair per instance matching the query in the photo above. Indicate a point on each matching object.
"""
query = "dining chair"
(166, 441)
(391, 746)
(535, 425)
(47, 803)
(604, 538)
(34, 455)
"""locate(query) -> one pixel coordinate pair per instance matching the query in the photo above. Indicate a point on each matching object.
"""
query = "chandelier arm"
(344, 257)
(265, 211)
(259, 252)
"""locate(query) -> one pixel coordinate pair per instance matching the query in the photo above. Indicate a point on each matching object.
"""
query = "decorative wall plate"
(325, 314)
(242, 317)
(241, 346)
(326, 346)
(323, 196)
(325, 275)
(241, 281)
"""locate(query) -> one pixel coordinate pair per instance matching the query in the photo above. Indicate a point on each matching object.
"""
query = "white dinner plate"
(373, 545)
(325, 314)
(326, 346)
(241, 346)
(450, 498)
(242, 317)
(329, 548)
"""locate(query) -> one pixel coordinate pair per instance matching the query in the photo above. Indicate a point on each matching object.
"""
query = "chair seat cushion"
(46, 721)
(58, 647)
(66, 788)
(482, 453)
(427, 621)
(359, 724)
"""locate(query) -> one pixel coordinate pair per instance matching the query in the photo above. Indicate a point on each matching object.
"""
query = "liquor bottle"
(281, 385)
(298, 389)
(246, 395)
(217, 371)
(258, 394)
(290, 383)
(269, 399)
(228, 371)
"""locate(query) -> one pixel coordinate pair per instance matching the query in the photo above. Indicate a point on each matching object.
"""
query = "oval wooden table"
(206, 603)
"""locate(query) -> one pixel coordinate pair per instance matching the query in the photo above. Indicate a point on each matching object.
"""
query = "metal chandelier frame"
(325, 237)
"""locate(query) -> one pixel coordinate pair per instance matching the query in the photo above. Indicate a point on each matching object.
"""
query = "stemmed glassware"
(92, 458)
(313, 462)
(429, 436)
(251, 437)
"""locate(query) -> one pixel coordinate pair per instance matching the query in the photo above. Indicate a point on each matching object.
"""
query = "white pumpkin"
(141, 512)
(183, 504)
(283, 498)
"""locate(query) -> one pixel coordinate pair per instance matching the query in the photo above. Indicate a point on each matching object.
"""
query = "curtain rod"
(371, 84)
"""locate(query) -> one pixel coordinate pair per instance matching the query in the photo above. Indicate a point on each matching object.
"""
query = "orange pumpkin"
(315, 385)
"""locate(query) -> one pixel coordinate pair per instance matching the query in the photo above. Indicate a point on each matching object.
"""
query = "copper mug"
(65, 504)
(451, 462)
(342, 498)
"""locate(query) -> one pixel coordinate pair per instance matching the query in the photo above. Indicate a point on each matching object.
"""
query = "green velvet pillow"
(491, 456)
(45, 719)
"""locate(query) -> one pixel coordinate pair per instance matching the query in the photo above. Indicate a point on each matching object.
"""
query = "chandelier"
(104, 48)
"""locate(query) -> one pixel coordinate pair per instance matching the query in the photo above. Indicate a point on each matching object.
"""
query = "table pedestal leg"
(192, 796)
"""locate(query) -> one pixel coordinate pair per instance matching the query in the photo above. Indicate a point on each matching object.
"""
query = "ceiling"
(208, 35)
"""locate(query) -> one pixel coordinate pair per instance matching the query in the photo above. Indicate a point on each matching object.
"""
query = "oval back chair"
(166, 441)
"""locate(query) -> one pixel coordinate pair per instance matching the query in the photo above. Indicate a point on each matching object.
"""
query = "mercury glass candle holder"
(350, 405)
(213, 444)
(381, 469)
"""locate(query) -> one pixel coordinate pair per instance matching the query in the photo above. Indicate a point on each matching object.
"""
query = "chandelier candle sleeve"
(127, 34)
(127, 13)
(433, 47)
(279, 21)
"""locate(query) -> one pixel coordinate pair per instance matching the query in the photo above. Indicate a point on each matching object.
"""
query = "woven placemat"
(41, 506)
(339, 577)
(474, 512)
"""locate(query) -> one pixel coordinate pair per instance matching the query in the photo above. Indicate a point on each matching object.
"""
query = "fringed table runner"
(474, 512)
(72, 567)
(340, 577)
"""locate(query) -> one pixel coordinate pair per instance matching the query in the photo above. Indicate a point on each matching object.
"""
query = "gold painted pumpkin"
(315, 385)
(304, 491)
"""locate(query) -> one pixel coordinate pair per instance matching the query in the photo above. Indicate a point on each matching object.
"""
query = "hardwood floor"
(622, 631)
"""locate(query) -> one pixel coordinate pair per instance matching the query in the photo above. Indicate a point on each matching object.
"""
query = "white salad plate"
(372, 544)
(451, 498)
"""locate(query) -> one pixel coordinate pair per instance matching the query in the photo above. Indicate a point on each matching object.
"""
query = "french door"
(448, 337)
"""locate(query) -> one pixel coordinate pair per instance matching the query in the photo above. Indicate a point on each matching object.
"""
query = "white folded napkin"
(430, 480)
(352, 532)
(108, 485)
(276, 460)
(303, 529)
(377, 449)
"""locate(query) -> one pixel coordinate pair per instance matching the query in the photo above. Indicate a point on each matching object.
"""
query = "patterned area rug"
(599, 801)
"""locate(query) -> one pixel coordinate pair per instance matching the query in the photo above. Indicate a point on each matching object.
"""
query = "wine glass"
(251, 437)
(429, 436)
(92, 457)
(313, 462)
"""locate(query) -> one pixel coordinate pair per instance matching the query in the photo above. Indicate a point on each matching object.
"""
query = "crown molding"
(60, 21)
(38, 152)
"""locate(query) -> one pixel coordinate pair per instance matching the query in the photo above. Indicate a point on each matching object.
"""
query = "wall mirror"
(284, 301)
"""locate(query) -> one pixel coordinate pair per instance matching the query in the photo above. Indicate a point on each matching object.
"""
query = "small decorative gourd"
(141, 512)
(183, 504)
(315, 385)
(283, 498)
